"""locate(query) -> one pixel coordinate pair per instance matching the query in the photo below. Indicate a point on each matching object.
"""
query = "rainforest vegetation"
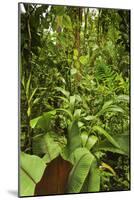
(74, 99)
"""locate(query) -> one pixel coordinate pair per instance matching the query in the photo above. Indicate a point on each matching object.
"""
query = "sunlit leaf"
(91, 141)
(34, 122)
(94, 178)
(76, 53)
(89, 117)
(84, 60)
(122, 98)
(82, 163)
(43, 121)
(73, 71)
(31, 170)
(77, 113)
(51, 148)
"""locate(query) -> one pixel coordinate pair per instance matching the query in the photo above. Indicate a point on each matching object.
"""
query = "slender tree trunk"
(78, 19)
(78, 22)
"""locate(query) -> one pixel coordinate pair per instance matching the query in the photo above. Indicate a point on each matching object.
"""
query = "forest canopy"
(74, 99)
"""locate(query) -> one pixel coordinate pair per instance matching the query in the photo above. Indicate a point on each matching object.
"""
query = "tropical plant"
(74, 100)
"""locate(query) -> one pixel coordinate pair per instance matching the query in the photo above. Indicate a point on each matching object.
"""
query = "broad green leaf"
(50, 147)
(38, 145)
(94, 178)
(45, 121)
(74, 139)
(80, 124)
(108, 147)
(84, 138)
(77, 114)
(65, 154)
(67, 22)
(91, 141)
(122, 140)
(122, 97)
(84, 59)
(82, 162)
(34, 121)
(77, 154)
(107, 135)
(31, 170)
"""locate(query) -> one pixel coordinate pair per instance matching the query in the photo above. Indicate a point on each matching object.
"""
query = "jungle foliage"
(74, 101)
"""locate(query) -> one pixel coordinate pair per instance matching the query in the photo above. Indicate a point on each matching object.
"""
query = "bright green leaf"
(82, 163)
(94, 178)
(73, 71)
(31, 170)
(34, 122)
(51, 148)
(92, 139)
(84, 60)
(122, 140)
(76, 53)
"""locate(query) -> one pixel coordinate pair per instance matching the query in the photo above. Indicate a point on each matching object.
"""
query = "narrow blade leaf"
(107, 135)
(83, 160)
